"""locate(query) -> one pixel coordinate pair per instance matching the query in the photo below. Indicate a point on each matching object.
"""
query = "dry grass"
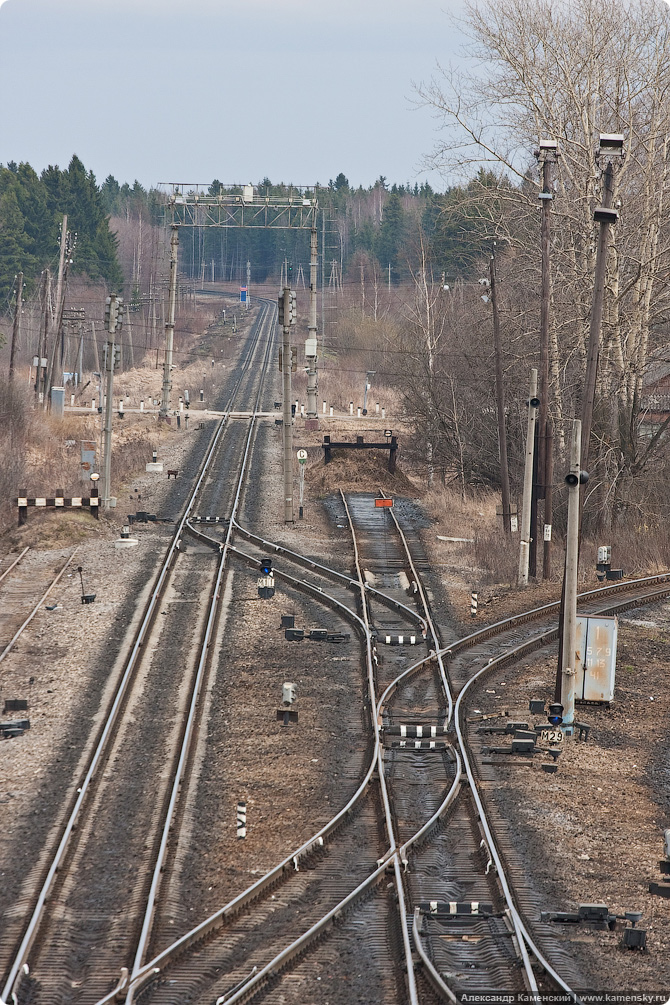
(364, 472)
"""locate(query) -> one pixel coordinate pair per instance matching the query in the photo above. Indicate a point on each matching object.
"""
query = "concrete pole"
(169, 325)
(311, 344)
(548, 499)
(40, 376)
(545, 439)
(16, 330)
(524, 544)
(288, 420)
(58, 313)
(596, 318)
(246, 305)
(107, 428)
(570, 587)
(500, 402)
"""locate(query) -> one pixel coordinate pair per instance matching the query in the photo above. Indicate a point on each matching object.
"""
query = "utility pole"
(246, 303)
(110, 350)
(311, 342)
(548, 498)
(113, 323)
(567, 669)
(611, 147)
(16, 330)
(500, 401)
(286, 319)
(80, 352)
(169, 325)
(524, 544)
(57, 319)
(323, 278)
(547, 155)
(40, 376)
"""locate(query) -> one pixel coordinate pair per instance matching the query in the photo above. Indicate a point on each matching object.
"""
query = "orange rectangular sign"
(383, 502)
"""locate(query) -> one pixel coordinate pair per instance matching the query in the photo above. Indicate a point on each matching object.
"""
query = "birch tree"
(568, 71)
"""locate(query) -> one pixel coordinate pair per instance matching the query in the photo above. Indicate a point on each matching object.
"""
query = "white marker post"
(302, 460)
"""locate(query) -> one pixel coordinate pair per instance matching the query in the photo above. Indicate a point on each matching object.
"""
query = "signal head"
(266, 567)
(555, 713)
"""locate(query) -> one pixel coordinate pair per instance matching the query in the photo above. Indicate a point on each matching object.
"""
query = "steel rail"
(326, 570)
(524, 939)
(426, 607)
(17, 634)
(393, 846)
(291, 861)
(179, 776)
(195, 935)
(14, 563)
(530, 977)
(433, 975)
(33, 924)
(511, 656)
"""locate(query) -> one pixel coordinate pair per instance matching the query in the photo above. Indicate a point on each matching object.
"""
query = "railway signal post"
(169, 326)
(524, 545)
(311, 341)
(574, 478)
(113, 323)
(287, 317)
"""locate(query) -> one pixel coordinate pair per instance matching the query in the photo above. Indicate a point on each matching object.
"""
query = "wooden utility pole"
(16, 329)
(547, 155)
(500, 401)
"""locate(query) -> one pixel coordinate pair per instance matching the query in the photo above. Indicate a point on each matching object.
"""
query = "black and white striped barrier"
(57, 502)
(241, 820)
(419, 744)
(401, 640)
(451, 907)
(415, 731)
(473, 604)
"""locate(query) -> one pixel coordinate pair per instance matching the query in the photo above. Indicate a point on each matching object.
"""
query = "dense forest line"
(383, 222)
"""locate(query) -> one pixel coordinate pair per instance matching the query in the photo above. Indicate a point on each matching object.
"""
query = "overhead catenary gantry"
(241, 206)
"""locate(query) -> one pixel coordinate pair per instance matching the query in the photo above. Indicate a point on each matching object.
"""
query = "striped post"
(473, 604)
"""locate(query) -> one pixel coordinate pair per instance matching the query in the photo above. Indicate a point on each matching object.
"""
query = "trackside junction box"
(595, 662)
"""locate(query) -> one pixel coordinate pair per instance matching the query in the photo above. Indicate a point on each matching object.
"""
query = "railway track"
(501, 954)
(24, 588)
(103, 881)
(410, 872)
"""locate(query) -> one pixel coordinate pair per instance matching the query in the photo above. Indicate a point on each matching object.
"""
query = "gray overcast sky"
(190, 90)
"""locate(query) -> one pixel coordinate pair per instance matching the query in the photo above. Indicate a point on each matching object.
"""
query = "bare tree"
(568, 71)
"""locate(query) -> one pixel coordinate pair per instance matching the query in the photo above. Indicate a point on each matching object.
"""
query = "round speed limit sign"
(302, 456)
